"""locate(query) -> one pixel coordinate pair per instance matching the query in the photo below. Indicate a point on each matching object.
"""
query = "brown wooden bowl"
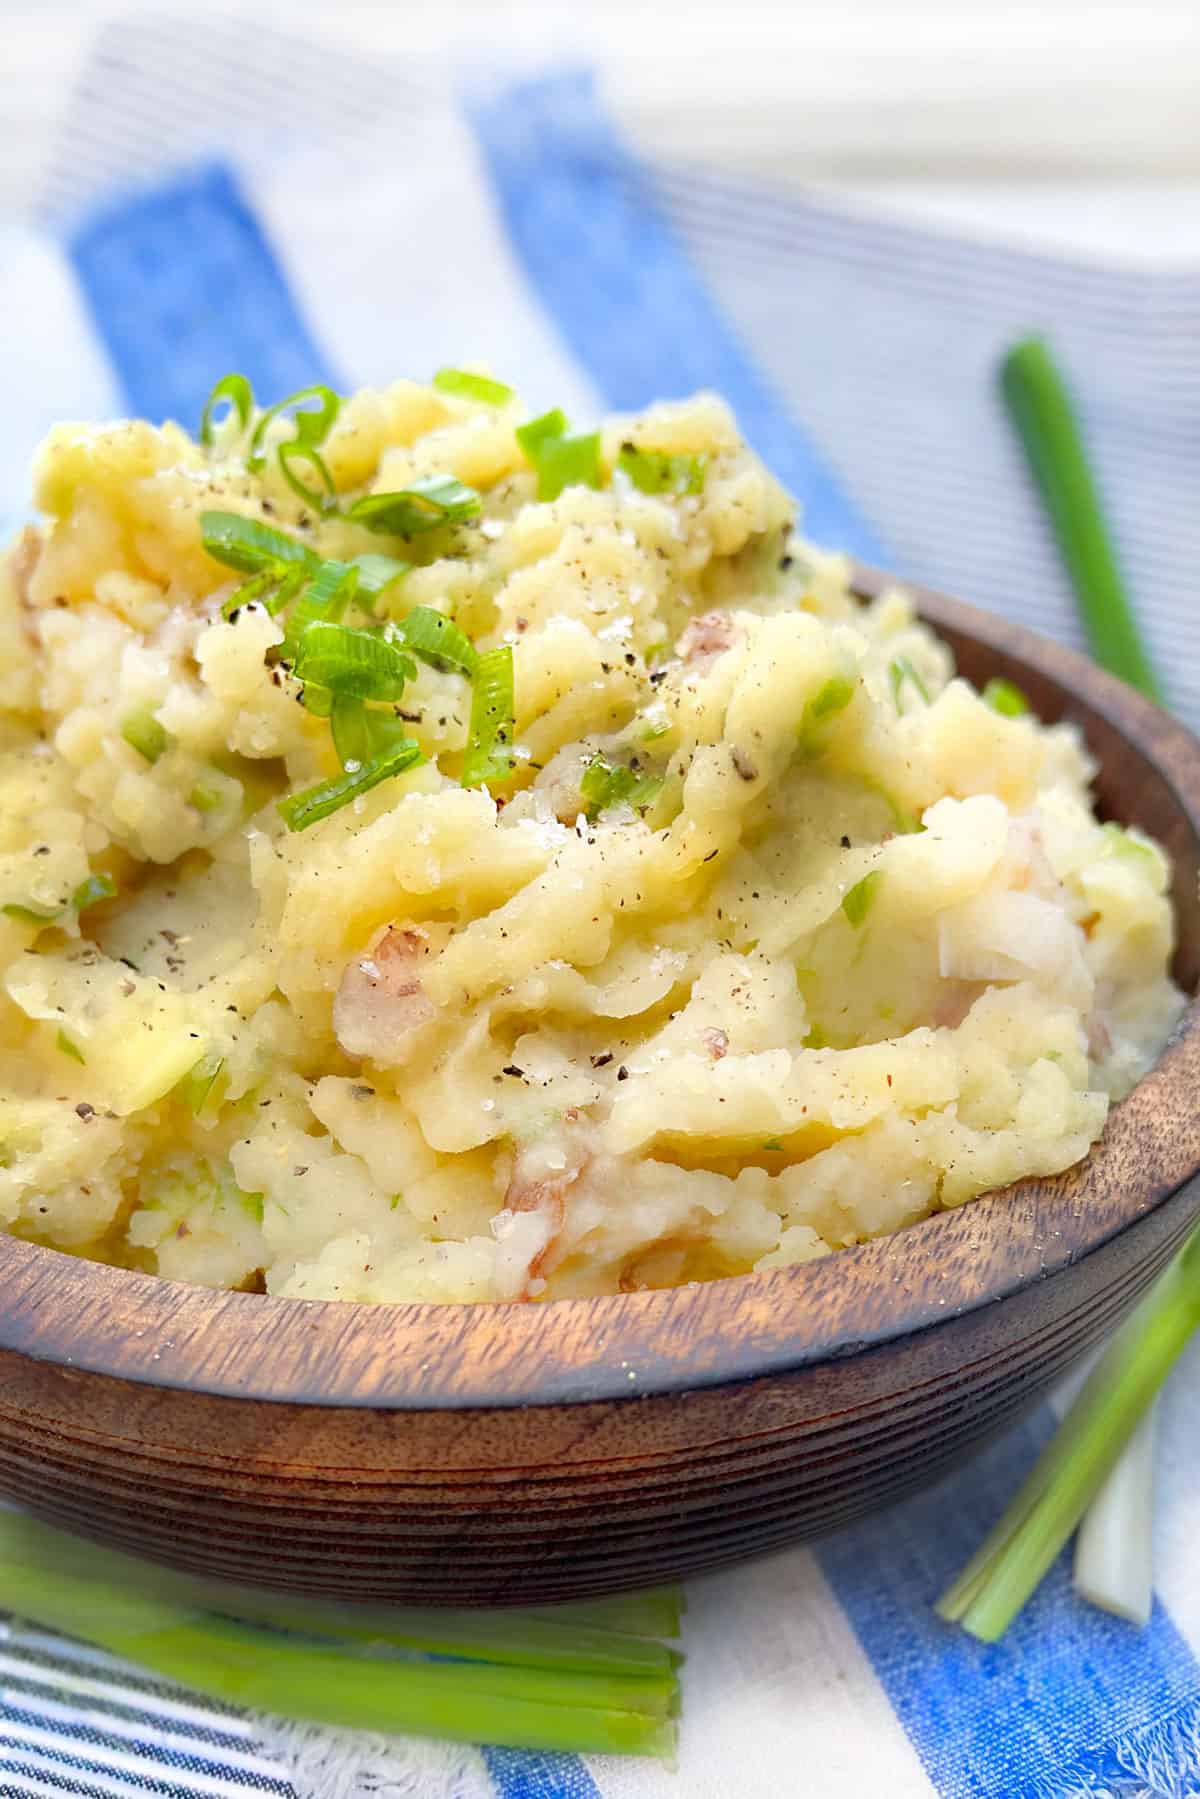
(501, 1454)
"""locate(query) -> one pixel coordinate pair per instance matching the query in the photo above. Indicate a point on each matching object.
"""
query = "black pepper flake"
(712, 853)
(362, 1092)
(622, 1073)
(786, 561)
(845, 843)
(300, 1170)
(43, 849)
(602, 1061)
(518, 1073)
(84, 1110)
(743, 765)
(657, 675)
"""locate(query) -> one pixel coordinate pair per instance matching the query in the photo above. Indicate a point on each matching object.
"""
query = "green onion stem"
(998, 1580)
(614, 1705)
(1041, 408)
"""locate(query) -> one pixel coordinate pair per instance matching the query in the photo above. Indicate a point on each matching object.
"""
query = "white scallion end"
(1114, 1564)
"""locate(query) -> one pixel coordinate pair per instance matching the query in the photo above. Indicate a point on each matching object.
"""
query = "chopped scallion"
(857, 902)
(352, 664)
(656, 471)
(900, 670)
(205, 799)
(237, 395)
(1005, 697)
(71, 1049)
(437, 640)
(437, 500)
(251, 547)
(325, 597)
(489, 742)
(466, 386)
(377, 573)
(535, 432)
(196, 1086)
(322, 498)
(299, 810)
(317, 700)
(361, 735)
(1121, 842)
(832, 697)
(604, 783)
(312, 423)
(143, 732)
(92, 891)
(34, 915)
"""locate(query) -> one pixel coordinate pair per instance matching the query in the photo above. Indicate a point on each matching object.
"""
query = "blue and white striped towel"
(182, 232)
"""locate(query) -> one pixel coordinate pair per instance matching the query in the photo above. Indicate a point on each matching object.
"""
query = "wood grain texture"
(497, 1454)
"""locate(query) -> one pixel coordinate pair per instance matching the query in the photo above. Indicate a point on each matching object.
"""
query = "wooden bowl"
(502, 1454)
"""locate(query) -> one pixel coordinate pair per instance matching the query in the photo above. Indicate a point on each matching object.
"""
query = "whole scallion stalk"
(1040, 405)
(537, 1681)
(1074, 1466)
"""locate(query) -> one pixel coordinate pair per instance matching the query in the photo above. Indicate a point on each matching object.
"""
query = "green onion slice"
(560, 461)
(362, 735)
(196, 1086)
(258, 588)
(900, 670)
(466, 386)
(142, 731)
(299, 810)
(88, 893)
(437, 500)
(36, 915)
(322, 498)
(535, 432)
(861, 897)
(1005, 697)
(325, 597)
(236, 393)
(313, 423)
(656, 471)
(437, 640)
(250, 547)
(92, 891)
(317, 700)
(352, 664)
(69, 1048)
(376, 574)
(489, 741)
(205, 799)
(604, 783)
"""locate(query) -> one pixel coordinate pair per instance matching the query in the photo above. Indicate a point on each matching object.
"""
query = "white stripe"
(25, 1783)
(115, 1761)
(116, 1690)
(68, 1770)
(51, 366)
(403, 266)
(98, 1718)
(775, 1680)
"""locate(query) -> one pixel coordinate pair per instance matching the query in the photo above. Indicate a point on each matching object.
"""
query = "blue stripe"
(622, 291)
(530, 1774)
(183, 287)
(1070, 1702)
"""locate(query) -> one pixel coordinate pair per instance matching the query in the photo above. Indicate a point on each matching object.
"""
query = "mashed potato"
(667, 915)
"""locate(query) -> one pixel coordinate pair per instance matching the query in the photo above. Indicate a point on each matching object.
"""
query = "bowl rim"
(96, 1319)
